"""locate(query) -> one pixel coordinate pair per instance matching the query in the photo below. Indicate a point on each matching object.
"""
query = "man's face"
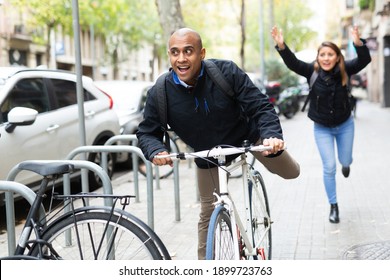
(186, 55)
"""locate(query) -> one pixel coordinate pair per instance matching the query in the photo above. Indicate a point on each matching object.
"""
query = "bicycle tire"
(132, 242)
(260, 217)
(164, 171)
(219, 244)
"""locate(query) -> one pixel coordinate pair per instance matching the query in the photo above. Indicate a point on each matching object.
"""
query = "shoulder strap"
(312, 80)
(161, 101)
(161, 98)
(218, 78)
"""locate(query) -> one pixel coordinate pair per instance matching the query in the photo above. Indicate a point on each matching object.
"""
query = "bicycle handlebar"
(215, 152)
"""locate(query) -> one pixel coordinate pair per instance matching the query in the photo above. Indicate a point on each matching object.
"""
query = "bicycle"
(86, 232)
(228, 236)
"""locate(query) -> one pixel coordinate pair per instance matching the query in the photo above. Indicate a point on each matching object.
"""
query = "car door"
(38, 141)
(65, 95)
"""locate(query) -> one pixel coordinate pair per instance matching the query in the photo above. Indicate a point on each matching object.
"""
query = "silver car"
(129, 100)
(55, 131)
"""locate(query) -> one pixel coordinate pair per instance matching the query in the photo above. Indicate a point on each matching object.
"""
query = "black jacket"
(204, 116)
(329, 102)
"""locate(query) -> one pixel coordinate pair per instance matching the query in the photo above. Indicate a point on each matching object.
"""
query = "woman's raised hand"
(356, 36)
(277, 35)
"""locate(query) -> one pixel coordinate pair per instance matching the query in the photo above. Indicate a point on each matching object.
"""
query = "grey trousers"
(283, 165)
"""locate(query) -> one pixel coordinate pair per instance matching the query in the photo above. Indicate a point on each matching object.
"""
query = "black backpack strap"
(218, 78)
(313, 78)
(161, 101)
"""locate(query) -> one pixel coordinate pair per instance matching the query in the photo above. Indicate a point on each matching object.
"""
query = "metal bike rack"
(134, 156)
(134, 142)
(29, 195)
(10, 186)
(115, 149)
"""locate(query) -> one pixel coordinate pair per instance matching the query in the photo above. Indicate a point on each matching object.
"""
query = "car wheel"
(94, 179)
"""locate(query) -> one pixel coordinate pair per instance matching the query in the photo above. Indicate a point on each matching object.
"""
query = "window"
(28, 93)
(66, 93)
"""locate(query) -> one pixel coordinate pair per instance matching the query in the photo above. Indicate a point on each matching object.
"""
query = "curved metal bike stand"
(134, 141)
(28, 194)
(101, 171)
(134, 156)
(115, 149)
(10, 202)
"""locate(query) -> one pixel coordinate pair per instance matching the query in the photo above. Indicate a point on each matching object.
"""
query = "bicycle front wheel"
(220, 244)
(98, 236)
(260, 218)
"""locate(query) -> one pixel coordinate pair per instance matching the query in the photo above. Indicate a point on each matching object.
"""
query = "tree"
(170, 15)
(124, 25)
(44, 19)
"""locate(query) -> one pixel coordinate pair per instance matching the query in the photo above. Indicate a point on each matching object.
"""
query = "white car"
(55, 131)
(129, 100)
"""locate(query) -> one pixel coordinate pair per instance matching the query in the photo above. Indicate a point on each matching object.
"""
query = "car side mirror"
(20, 116)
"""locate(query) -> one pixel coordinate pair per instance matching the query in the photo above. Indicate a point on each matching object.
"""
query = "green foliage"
(45, 16)
(125, 25)
(277, 71)
(367, 4)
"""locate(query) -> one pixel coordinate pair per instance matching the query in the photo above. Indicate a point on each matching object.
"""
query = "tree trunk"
(243, 35)
(170, 15)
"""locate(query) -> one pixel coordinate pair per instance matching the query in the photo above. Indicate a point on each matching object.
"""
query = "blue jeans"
(325, 138)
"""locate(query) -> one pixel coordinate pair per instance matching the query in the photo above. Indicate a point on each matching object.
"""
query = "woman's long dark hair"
(341, 63)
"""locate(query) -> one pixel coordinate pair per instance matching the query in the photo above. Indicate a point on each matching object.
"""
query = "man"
(203, 117)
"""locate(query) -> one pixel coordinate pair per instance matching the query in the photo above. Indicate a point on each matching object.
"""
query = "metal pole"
(92, 40)
(80, 95)
(261, 33)
(79, 72)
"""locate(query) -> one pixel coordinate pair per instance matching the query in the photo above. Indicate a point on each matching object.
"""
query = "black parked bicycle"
(86, 232)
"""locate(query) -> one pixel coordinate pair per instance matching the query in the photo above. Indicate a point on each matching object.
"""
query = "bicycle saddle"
(47, 168)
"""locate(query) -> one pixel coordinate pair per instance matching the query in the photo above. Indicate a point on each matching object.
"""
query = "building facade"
(18, 48)
(375, 27)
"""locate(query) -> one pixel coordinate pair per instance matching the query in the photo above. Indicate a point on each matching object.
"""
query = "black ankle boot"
(334, 214)
(345, 170)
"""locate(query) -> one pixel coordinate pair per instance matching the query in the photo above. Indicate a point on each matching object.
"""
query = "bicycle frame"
(225, 199)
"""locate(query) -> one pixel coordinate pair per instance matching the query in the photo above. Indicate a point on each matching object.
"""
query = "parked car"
(54, 132)
(129, 99)
(271, 88)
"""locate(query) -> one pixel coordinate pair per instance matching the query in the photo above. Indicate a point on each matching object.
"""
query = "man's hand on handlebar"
(162, 161)
(276, 144)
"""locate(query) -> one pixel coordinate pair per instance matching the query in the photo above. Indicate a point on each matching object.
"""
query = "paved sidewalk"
(299, 208)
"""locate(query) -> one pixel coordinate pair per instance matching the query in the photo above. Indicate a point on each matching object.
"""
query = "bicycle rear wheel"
(220, 245)
(98, 236)
(260, 217)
